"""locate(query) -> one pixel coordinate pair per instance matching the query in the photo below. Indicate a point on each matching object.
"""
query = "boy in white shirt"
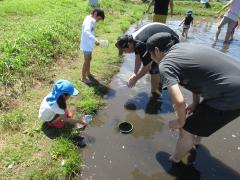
(88, 40)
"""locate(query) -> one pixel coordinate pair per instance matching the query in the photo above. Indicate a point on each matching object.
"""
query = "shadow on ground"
(100, 88)
(67, 132)
(205, 167)
(53, 133)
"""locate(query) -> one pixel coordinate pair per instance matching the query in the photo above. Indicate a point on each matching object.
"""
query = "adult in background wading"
(194, 67)
(160, 10)
(136, 42)
(230, 18)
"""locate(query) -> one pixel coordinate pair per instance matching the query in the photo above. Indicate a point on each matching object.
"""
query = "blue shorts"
(87, 52)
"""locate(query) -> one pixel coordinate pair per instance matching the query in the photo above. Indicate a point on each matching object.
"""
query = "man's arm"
(136, 76)
(179, 105)
(143, 71)
(171, 6)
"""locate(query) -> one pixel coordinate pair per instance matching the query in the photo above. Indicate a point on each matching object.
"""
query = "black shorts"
(206, 120)
(154, 68)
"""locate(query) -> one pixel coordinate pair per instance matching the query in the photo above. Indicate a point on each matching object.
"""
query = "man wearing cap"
(194, 67)
(136, 42)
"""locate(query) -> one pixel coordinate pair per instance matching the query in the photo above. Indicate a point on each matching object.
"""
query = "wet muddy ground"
(143, 154)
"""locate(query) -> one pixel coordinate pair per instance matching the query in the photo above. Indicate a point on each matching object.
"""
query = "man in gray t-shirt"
(210, 74)
(207, 73)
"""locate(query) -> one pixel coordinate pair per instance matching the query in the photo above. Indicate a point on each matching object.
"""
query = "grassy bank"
(38, 44)
(39, 41)
(199, 9)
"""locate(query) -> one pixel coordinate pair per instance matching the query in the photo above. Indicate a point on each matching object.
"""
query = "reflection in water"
(203, 32)
(145, 126)
(151, 105)
(139, 100)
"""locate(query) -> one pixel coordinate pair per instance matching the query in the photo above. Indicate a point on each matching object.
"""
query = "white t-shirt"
(47, 113)
(234, 11)
(88, 38)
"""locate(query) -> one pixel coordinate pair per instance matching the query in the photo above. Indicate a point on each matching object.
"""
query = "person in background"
(233, 30)
(136, 42)
(53, 109)
(88, 40)
(206, 3)
(186, 23)
(160, 10)
(215, 89)
(230, 18)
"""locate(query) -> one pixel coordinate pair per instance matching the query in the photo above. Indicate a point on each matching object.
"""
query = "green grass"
(39, 44)
(181, 7)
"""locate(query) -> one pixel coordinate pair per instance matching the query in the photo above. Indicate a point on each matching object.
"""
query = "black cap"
(162, 40)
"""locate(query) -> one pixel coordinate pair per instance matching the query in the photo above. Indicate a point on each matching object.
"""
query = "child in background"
(88, 40)
(186, 23)
(53, 108)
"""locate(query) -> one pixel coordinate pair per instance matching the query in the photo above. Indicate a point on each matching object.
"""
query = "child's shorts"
(59, 124)
(186, 26)
(87, 52)
(206, 120)
(230, 23)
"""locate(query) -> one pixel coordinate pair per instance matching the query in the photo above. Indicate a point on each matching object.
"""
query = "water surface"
(143, 154)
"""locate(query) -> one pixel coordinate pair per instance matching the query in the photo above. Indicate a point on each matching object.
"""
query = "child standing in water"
(88, 40)
(186, 23)
(233, 30)
(53, 109)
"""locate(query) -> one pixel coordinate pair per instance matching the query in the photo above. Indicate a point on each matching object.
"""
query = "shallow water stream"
(143, 154)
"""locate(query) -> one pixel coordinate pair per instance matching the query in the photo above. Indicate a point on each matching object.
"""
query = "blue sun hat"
(61, 87)
(189, 12)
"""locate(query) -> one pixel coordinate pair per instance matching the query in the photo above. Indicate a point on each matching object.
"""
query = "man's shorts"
(230, 23)
(206, 120)
(154, 68)
(160, 18)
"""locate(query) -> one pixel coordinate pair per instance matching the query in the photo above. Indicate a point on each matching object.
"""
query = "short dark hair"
(99, 12)
(122, 41)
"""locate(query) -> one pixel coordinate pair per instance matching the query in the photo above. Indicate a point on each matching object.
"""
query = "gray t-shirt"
(207, 72)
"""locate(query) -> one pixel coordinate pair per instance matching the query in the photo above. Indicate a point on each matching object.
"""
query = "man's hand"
(132, 81)
(174, 124)
(191, 108)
